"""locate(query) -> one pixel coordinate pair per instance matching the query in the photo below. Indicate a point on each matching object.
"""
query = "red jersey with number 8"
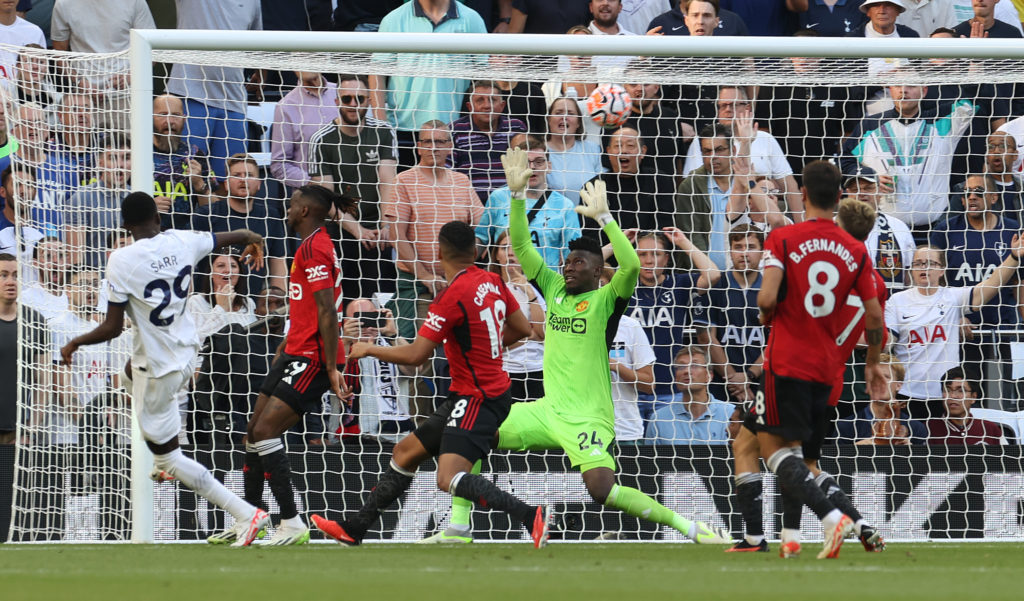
(315, 268)
(468, 317)
(823, 265)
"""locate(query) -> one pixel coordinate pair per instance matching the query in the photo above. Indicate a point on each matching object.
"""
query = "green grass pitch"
(566, 572)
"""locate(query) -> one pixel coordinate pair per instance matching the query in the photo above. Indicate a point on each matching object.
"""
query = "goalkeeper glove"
(517, 172)
(595, 203)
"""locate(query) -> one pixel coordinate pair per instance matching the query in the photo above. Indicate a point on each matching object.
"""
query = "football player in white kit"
(149, 281)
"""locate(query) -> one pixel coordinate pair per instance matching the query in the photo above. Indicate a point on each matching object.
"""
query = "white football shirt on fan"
(153, 276)
(90, 372)
(766, 156)
(631, 348)
(926, 334)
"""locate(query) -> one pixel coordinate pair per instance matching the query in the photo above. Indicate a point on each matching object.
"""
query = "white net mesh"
(242, 132)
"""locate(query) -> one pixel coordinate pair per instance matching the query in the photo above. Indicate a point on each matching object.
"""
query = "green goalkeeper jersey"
(579, 328)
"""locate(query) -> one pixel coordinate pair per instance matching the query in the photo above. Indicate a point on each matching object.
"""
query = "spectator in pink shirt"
(303, 111)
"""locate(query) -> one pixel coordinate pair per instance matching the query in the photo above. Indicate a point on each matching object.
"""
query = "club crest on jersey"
(582, 306)
(434, 322)
(294, 292)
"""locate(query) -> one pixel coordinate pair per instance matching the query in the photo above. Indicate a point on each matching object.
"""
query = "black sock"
(253, 479)
(275, 463)
(792, 510)
(390, 486)
(793, 475)
(838, 497)
(749, 498)
(484, 493)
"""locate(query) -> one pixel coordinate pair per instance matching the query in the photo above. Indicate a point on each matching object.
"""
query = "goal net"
(702, 156)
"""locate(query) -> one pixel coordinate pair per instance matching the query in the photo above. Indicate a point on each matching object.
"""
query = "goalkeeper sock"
(749, 498)
(461, 508)
(199, 479)
(838, 497)
(391, 485)
(484, 493)
(253, 477)
(275, 462)
(637, 504)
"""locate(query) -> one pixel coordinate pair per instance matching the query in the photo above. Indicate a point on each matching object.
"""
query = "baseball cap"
(897, 3)
(862, 172)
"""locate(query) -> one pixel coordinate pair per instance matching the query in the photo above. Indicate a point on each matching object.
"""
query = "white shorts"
(158, 400)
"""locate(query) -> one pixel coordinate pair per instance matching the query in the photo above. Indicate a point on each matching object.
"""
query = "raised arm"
(595, 206)
(253, 243)
(709, 272)
(989, 287)
(112, 326)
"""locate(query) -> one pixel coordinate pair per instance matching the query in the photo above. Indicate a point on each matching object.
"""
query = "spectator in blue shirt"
(406, 101)
(574, 161)
(662, 301)
(241, 209)
(834, 20)
(693, 416)
(703, 16)
(728, 318)
(553, 222)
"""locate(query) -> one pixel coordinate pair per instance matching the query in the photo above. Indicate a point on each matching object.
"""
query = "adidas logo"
(451, 424)
(596, 452)
(372, 156)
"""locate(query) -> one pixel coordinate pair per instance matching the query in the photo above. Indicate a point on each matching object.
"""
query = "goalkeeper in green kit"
(576, 413)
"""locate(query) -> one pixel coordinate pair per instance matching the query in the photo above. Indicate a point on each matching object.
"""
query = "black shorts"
(464, 425)
(791, 408)
(824, 425)
(298, 381)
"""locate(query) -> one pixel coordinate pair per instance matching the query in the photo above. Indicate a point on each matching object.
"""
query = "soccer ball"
(609, 105)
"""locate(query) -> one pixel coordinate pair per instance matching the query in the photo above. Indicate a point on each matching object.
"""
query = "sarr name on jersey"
(295, 292)
(171, 261)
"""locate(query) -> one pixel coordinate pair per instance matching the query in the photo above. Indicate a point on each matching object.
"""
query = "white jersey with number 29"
(152, 277)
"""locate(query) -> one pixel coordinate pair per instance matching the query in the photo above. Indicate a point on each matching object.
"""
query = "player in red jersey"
(306, 366)
(475, 317)
(856, 218)
(811, 269)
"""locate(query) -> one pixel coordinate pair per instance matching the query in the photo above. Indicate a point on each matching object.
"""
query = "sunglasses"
(358, 98)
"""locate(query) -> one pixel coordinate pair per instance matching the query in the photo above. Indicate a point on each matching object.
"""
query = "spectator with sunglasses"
(976, 242)
(355, 154)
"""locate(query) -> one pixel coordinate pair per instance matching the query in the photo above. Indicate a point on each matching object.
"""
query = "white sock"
(199, 479)
(832, 519)
(754, 539)
(859, 524)
(790, 535)
(294, 523)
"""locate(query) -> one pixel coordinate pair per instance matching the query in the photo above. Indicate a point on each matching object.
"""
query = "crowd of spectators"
(696, 176)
